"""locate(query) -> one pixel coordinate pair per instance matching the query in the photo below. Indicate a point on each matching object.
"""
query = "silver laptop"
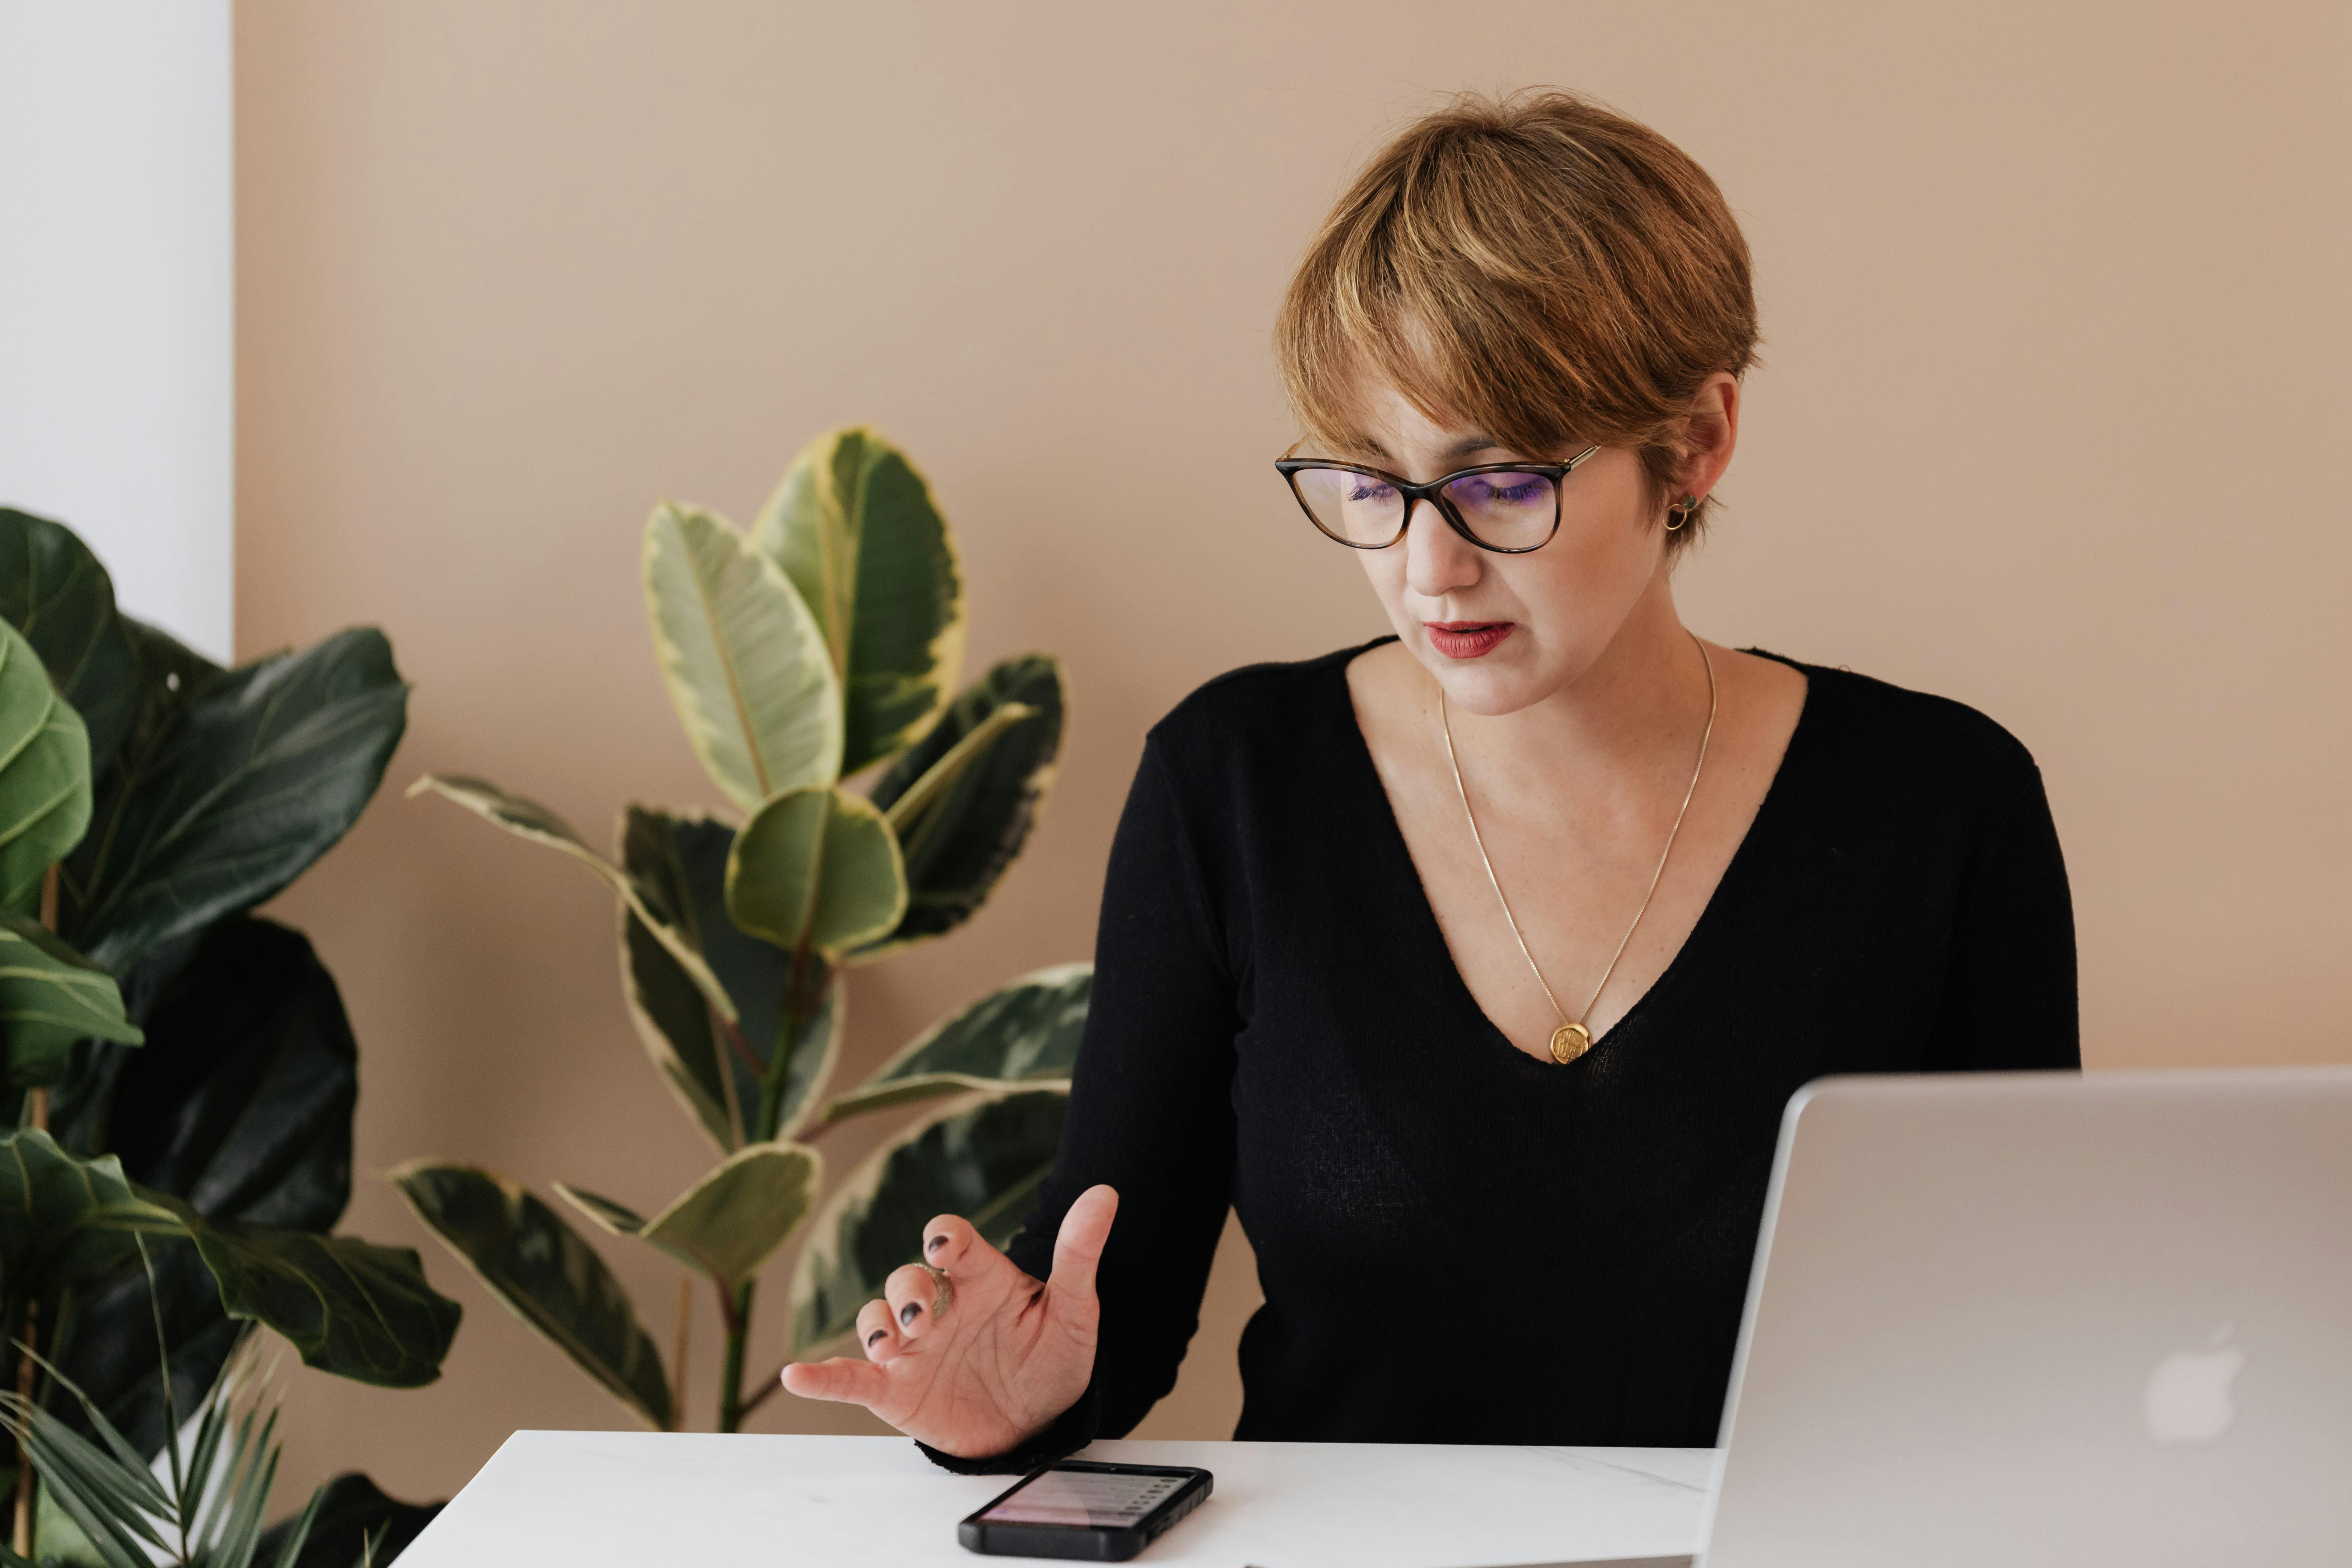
(2027, 1318)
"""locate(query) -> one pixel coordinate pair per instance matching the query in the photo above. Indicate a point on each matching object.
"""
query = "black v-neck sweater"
(1459, 1242)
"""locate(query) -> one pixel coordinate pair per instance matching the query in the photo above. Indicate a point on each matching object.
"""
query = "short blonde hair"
(1537, 266)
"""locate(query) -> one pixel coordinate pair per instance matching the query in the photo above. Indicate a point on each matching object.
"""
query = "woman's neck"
(1637, 707)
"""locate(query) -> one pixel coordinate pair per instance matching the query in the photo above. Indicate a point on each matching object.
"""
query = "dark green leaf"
(243, 1107)
(959, 843)
(545, 1274)
(854, 527)
(51, 996)
(64, 1224)
(981, 1161)
(681, 861)
(230, 786)
(202, 1337)
(1027, 1033)
(107, 1500)
(54, 591)
(351, 1513)
(350, 1307)
(45, 794)
(98, 1500)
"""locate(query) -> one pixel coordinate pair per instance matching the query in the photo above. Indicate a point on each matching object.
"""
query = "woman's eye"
(1364, 490)
(1517, 489)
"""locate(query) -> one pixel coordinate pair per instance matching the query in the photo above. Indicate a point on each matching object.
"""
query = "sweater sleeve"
(1150, 1113)
(2009, 998)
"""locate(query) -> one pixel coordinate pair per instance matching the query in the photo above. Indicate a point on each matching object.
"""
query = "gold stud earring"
(1681, 512)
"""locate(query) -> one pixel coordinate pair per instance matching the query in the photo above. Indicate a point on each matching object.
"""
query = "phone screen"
(1085, 1499)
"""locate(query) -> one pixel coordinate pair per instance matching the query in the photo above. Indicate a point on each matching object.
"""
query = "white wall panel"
(116, 343)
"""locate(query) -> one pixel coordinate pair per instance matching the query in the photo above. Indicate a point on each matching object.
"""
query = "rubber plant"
(180, 1075)
(824, 643)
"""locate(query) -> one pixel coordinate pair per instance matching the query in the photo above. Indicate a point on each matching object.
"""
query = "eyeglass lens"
(1508, 511)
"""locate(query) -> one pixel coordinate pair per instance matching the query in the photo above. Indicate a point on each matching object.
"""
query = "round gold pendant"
(1569, 1042)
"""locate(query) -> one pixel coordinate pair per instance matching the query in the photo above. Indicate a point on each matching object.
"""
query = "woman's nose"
(1438, 560)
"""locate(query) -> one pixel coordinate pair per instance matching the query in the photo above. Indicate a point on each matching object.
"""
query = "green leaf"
(963, 828)
(230, 785)
(816, 865)
(51, 996)
(53, 590)
(352, 1513)
(241, 1104)
(731, 1221)
(545, 1274)
(1023, 1036)
(907, 810)
(110, 1499)
(744, 660)
(981, 1161)
(68, 1220)
(101, 1503)
(350, 1307)
(681, 863)
(526, 819)
(854, 527)
(44, 797)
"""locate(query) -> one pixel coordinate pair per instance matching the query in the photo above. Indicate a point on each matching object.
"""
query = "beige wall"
(2050, 419)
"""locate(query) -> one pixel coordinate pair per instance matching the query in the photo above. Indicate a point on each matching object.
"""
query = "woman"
(1474, 967)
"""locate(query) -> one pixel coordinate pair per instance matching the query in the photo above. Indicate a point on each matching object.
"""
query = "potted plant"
(180, 1075)
(825, 643)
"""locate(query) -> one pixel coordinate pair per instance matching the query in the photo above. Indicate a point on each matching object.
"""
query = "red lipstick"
(1467, 639)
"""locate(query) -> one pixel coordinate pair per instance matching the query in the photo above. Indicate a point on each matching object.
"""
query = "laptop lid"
(2044, 1317)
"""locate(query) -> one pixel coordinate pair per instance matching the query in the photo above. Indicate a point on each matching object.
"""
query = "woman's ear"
(1709, 436)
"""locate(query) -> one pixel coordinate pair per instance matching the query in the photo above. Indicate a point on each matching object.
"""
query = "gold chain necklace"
(1572, 1039)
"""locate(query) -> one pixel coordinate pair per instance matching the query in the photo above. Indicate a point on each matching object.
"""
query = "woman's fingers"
(1078, 1246)
(842, 1380)
(947, 1240)
(910, 1293)
(877, 1332)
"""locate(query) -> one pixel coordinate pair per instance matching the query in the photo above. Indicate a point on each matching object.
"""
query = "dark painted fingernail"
(936, 1243)
(876, 1338)
(906, 1313)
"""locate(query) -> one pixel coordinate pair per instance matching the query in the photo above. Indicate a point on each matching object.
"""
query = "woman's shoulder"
(1291, 700)
(1931, 741)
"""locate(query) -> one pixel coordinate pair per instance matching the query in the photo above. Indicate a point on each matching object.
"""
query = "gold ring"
(943, 1290)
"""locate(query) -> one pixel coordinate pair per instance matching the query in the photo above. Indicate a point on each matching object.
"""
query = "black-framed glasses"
(1508, 507)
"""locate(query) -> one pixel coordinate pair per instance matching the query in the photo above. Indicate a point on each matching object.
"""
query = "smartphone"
(1100, 1514)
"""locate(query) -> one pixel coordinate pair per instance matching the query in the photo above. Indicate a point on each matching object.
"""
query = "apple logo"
(2187, 1394)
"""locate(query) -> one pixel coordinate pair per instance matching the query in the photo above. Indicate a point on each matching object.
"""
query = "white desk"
(585, 1498)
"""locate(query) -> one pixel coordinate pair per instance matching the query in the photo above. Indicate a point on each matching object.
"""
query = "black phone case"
(1088, 1544)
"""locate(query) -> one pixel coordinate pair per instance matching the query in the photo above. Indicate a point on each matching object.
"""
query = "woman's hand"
(1002, 1356)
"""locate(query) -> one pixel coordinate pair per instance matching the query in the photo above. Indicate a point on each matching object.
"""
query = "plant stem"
(738, 1309)
(796, 1011)
(36, 1099)
(37, 1115)
(22, 1537)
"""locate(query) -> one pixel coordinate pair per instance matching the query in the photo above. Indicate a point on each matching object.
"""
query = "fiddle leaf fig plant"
(176, 1107)
(823, 644)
